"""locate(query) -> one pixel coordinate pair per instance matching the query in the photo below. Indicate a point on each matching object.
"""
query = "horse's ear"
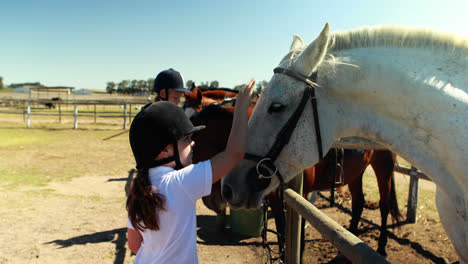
(313, 54)
(199, 95)
(297, 43)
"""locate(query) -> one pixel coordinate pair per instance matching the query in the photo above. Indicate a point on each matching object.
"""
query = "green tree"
(133, 87)
(1, 83)
(110, 88)
(141, 86)
(260, 86)
(123, 87)
(237, 87)
(204, 85)
(214, 84)
(150, 82)
(189, 84)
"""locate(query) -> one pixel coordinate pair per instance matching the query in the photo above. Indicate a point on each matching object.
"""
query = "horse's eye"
(275, 107)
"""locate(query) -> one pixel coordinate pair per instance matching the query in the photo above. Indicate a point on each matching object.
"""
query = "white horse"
(404, 88)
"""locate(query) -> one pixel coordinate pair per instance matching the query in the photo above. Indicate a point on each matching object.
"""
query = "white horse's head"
(277, 104)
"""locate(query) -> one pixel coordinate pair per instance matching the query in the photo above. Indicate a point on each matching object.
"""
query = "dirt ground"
(83, 221)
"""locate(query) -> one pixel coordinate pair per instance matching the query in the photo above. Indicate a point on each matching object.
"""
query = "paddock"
(76, 200)
(77, 180)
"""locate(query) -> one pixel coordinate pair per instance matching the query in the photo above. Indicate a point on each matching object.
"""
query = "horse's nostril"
(227, 192)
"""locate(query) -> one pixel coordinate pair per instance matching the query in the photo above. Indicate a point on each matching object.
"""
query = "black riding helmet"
(169, 79)
(153, 128)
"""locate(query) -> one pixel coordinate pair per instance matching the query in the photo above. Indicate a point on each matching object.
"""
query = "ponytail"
(144, 203)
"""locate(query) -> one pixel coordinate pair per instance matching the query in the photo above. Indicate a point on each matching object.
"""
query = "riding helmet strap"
(161, 162)
(177, 156)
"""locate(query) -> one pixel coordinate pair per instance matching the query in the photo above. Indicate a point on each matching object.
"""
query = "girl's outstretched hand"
(226, 160)
(244, 95)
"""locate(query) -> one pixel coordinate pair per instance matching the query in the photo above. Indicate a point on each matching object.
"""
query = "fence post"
(94, 113)
(130, 114)
(125, 115)
(28, 111)
(412, 195)
(60, 113)
(293, 226)
(75, 113)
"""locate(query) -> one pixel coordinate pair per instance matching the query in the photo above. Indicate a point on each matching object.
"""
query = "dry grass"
(426, 197)
(39, 155)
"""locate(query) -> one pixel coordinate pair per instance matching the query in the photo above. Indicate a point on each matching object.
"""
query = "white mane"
(397, 36)
(388, 36)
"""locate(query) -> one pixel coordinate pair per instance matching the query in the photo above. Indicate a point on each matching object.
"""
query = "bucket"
(247, 222)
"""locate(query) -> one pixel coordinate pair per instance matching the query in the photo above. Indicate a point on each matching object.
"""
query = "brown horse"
(213, 139)
(197, 99)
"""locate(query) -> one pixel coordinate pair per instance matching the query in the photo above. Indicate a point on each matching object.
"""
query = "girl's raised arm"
(225, 161)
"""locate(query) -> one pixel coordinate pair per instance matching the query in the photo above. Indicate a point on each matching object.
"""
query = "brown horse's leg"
(354, 166)
(383, 162)
(357, 199)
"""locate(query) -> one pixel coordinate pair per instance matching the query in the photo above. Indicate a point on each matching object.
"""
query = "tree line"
(130, 86)
(146, 86)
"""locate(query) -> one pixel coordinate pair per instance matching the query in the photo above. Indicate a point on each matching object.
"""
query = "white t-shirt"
(176, 240)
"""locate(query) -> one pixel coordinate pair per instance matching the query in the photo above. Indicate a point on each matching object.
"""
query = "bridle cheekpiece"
(265, 168)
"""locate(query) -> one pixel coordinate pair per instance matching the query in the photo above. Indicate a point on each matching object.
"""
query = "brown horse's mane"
(204, 89)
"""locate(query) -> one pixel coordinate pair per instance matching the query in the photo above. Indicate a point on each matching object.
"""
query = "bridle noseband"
(265, 168)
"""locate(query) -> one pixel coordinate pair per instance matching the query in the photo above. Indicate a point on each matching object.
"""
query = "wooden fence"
(415, 175)
(347, 243)
(28, 108)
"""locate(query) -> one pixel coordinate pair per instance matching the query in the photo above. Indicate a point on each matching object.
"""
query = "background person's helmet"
(153, 128)
(169, 79)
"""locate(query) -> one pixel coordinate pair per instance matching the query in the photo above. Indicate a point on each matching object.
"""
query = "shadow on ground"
(116, 236)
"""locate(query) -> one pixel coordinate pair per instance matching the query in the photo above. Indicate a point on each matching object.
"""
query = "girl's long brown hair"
(144, 203)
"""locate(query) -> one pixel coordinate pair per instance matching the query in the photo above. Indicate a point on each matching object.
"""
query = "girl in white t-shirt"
(161, 203)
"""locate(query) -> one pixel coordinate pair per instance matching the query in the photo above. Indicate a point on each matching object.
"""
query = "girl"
(161, 204)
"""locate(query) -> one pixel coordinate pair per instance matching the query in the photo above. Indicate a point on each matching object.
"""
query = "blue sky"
(87, 43)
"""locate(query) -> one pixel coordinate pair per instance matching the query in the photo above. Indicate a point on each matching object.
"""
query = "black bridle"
(265, 168)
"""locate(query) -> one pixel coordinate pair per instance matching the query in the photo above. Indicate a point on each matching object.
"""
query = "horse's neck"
(418, 110)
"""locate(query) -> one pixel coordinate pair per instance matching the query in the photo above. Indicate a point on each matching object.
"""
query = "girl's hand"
(244, 95)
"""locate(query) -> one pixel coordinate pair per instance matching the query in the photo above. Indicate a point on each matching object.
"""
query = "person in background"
(169, 86)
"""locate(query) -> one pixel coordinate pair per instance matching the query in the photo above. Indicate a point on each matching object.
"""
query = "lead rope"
(267, 251)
